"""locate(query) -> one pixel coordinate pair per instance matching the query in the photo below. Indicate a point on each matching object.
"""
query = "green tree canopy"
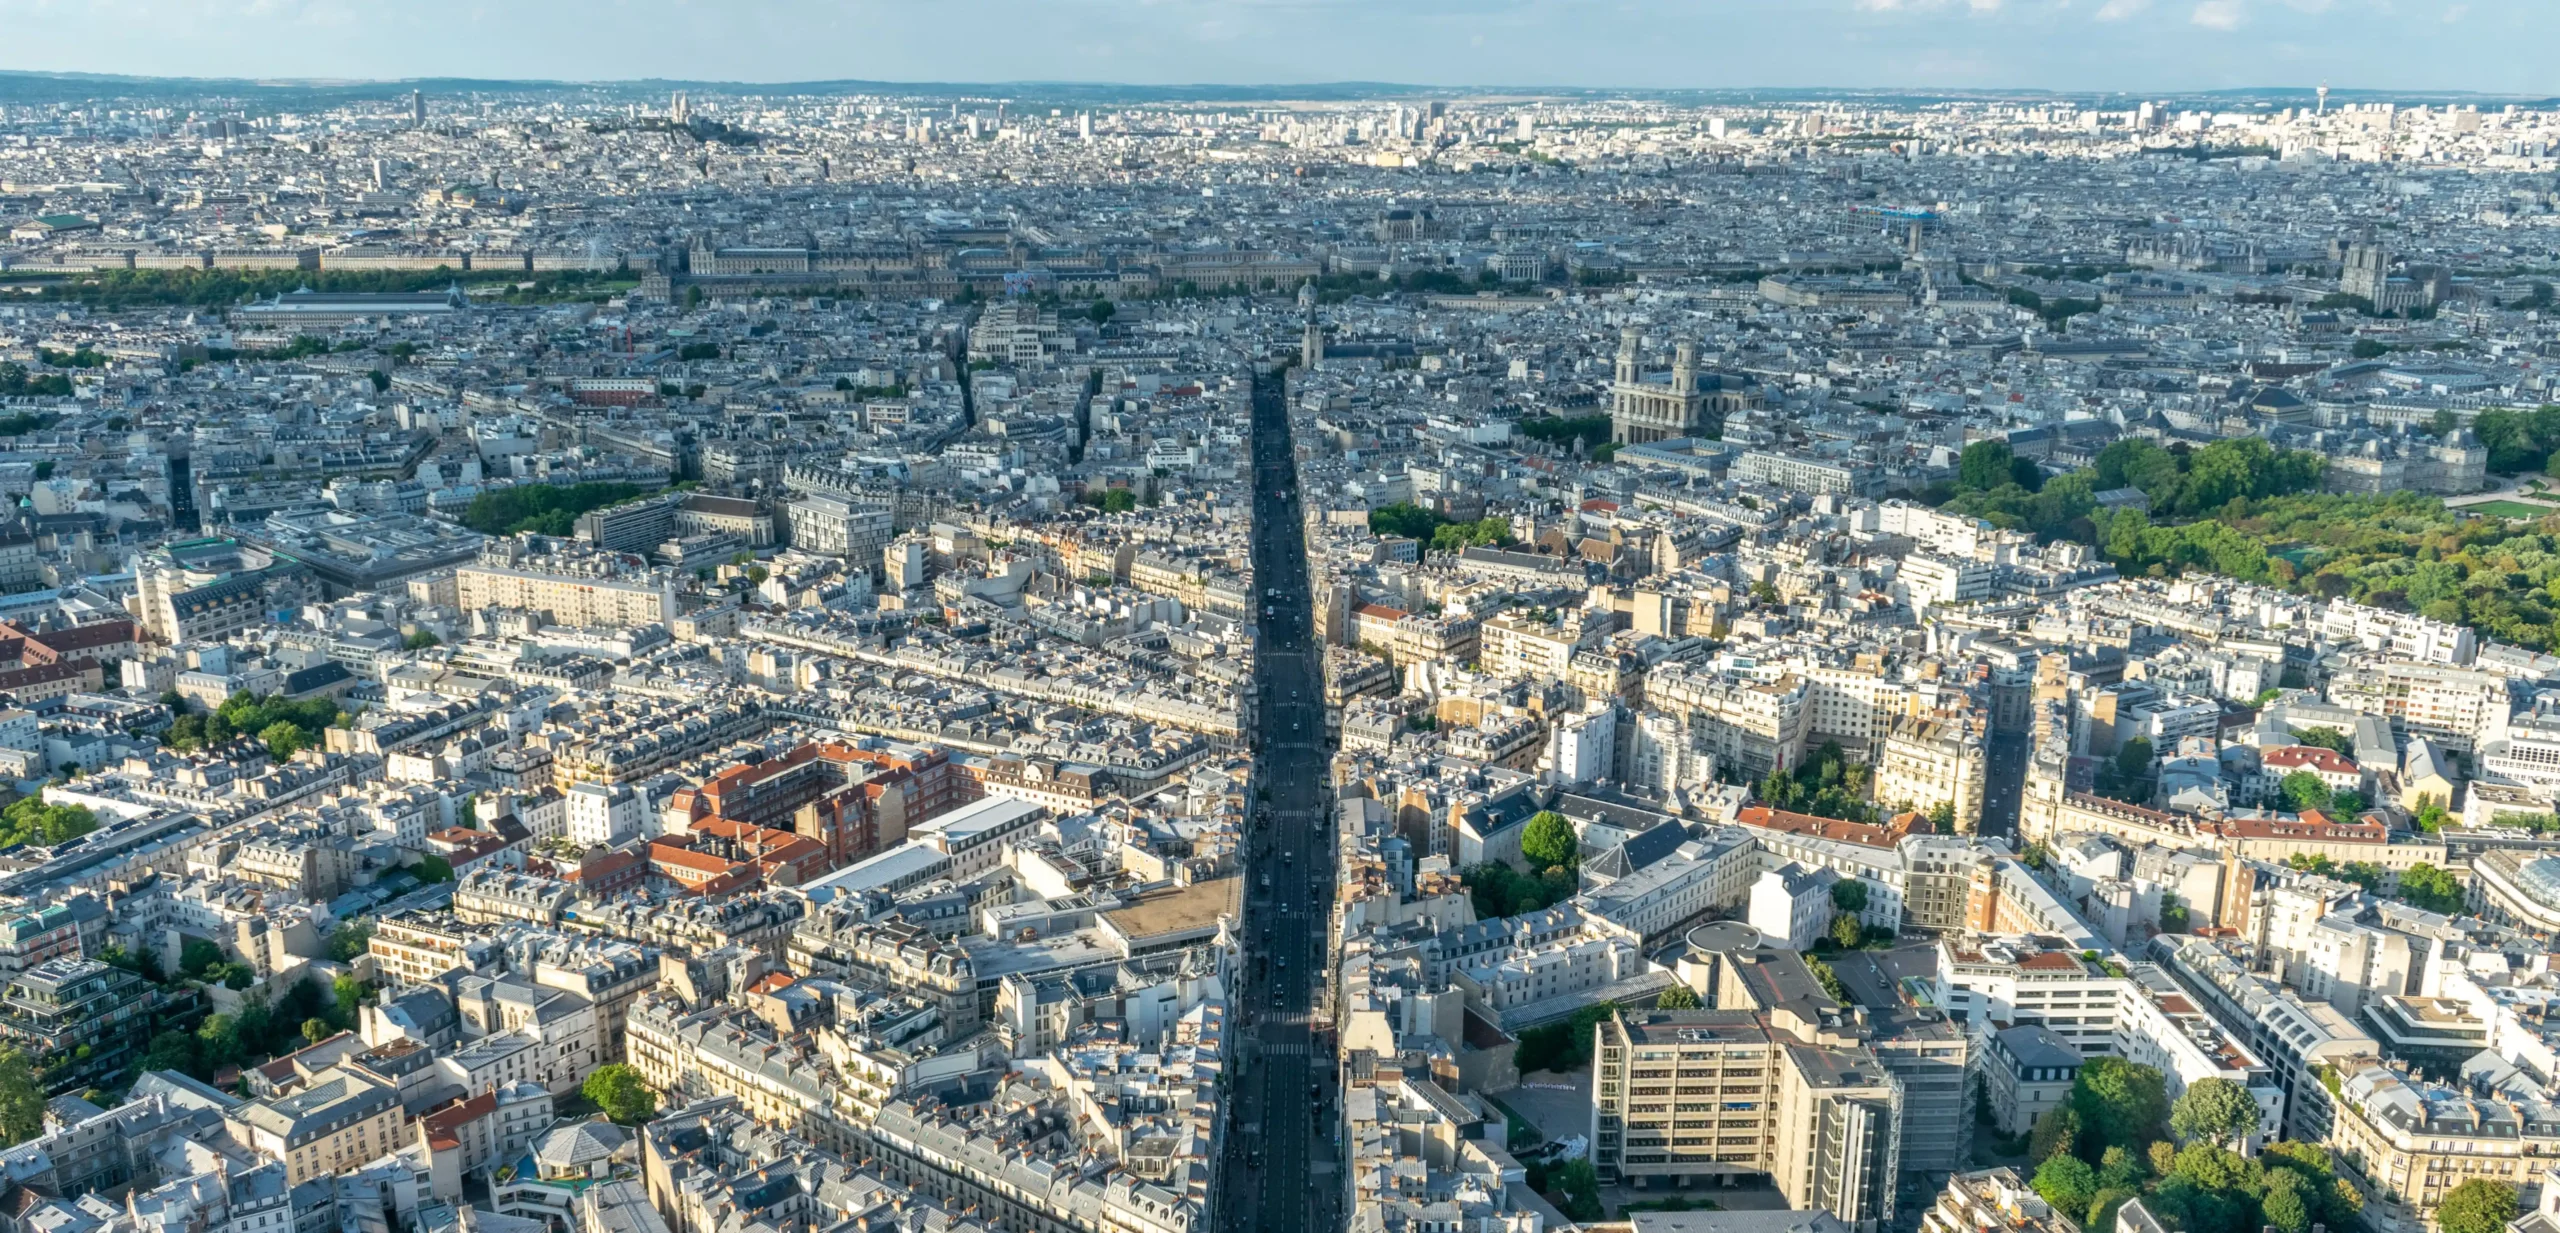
(618, 1090)
(2213, 1111)
(1547, 841)
(29, 820)
(2120, 1102)
(21, 1098)
(2477, 1206)
(2302, 791)
(1849, 895)
(1984, 465)
(2067, 1182)
(2428, 888)
(1679, 997)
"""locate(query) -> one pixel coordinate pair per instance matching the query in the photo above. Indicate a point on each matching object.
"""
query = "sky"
(2136, 46)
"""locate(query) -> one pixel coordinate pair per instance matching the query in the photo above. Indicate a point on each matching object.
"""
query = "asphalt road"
(1278, 1174)
(2005, 786)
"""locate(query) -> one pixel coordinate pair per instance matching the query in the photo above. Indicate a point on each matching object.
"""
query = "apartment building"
(1992, 1201)
(1930, 762)
(2456, 707)
(1748, 724)
(833, 526)
(574, 592)
(2405, 1143)
(338, 1122)
(1683, 1095)
(2012, 980)
(1520, 645)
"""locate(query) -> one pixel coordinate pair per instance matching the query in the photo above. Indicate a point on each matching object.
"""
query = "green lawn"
(2510, 509)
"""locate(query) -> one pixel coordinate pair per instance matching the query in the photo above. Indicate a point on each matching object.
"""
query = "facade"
(2027, 1071)
(2405, 1144)
(336, 1123)
(1686, 403)
(1925, 763)
(94, 1016)
(1683, 1095)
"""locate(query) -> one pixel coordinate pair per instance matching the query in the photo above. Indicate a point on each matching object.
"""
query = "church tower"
(1628, 341)
(1311, 344)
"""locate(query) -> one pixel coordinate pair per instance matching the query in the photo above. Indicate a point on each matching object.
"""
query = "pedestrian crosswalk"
(1301, 1049)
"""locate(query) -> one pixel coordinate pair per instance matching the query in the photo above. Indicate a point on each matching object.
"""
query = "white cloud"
(2118, 10)
(2218, 14)
(2456, 12)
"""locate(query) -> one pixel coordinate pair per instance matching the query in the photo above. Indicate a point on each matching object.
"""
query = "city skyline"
(2069, 46)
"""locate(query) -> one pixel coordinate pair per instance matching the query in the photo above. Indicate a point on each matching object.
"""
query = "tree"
(1679, 997)
(347, 997)
(2120, 1168)
(1828, 979)
(1983, 466)
(618, 1090)
(2067, 1182)
(1102, 312)
(21, 1098)
(1849, 895)
(1942, 817)
(218, 1041)
(421, 640)
(432, 869)
(350, 940)
(170, 1051)
(315, 1030)
(282, 738)
(2477, 1206)
(2120, 1102)
(1548, 841)
(2213, 1111)
(2056, 1133)
(1846, 931)
(2289, 1201)
(1580, 1184)
(30, 820)
(2330, 739)
(196, 956)
(2303, 791)
(2428, 888)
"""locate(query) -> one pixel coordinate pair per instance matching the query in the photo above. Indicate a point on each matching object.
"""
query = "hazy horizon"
(2069, 46)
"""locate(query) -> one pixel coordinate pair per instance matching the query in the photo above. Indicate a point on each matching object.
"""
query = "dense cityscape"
(589, 659)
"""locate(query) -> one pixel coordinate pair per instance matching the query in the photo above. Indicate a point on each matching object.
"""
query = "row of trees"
(114, 289)
(1405, 520)
(545, 509)
(17, 382)
(29, 820)
(2119, 1137)
(2303, 791)
(1826, 784)
(284, 725)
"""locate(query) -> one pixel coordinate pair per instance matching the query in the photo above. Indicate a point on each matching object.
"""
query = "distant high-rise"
(2324, 98)
(1528, 128)
(680, 109)
(417, 109)
(1084, 126)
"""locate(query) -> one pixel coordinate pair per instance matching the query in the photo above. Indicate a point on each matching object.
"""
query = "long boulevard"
(1280, 1176)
